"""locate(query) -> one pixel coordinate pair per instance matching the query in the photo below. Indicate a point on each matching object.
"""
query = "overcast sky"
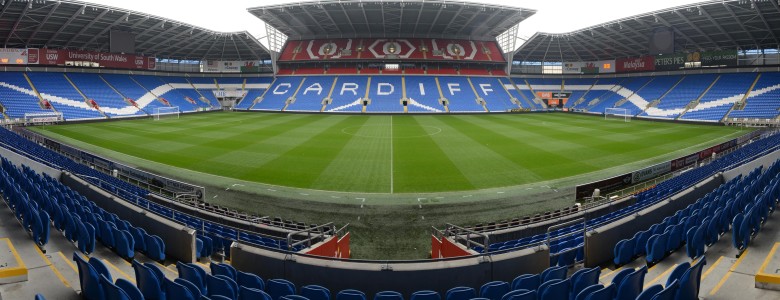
(553, 16)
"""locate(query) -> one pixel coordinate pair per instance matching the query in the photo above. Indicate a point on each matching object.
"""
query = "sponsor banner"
(231, 66)
(719, 58)
(107, 60)
(651, 172)
(606, 186)
(589, 67)
(33, 56)
(670, 62)
(635, 64)
(9, 56)
(684, 162)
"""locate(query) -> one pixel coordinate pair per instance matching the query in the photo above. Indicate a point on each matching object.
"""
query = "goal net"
(43, 118)
(617, 113)
(166, 112)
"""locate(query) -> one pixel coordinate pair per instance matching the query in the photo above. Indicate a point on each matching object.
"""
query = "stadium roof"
(711, 25)
(66, 24)
(391, 18)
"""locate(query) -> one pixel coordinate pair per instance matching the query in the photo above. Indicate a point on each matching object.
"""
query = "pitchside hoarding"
(670, 62)
(719, 58)
(231, 66)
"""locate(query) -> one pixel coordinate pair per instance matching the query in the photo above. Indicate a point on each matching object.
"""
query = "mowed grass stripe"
(471, 151)
(419, 164)
(364, 162)
(302, 165)
(478, 162)
(544, 162)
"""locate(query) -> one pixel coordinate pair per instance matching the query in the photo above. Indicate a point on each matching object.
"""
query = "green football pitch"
(394, 154)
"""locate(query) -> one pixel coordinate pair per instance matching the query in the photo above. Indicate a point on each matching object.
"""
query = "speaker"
(404, 103)
(661, 41)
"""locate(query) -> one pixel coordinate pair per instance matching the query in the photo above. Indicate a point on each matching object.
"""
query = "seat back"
(111, 291)
(632, 285)
(460, 293)
(130, 288)
(88, 279)
(350, 294)
(520, 295)
(190, 274)
(219, 285)
(245, 293)
(279, 287)
(556, 289)
(678, 272)
(425, 295)
(526, 282)
(584, 278)
(587, 291)
(388, 295)
(148, 282)
(315, 292)
(253, 281)
(605, 293)
(494, 290)
(667, 293)
(177, 291)
(553, 273)
(194, 290)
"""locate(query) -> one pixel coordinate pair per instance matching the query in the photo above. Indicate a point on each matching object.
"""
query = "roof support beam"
(720, 28)
(637, 45)
(739, 22)
(16, 25)
(186, 43)
(67, 23)
(162, 34)
(761, 15)
(688, 21)
(542, 37)
(107, 28)
(45, 19)
(575, 38)
(676, 31)
(7, 5)
(83, 29)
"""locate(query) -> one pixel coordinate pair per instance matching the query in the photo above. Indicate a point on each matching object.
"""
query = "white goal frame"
(616, 112)
(166, 112)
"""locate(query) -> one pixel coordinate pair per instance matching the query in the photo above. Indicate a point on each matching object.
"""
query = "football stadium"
(389, 150)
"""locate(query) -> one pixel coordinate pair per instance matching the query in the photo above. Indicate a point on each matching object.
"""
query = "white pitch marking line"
(391, 154)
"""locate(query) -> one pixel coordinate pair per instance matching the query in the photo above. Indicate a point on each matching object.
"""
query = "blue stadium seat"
(100, 267)
(89, 279)
(494, 290)
(650, 292)
(460, 293)
(388, 295)
(584, 278)
(555, 289)
(194, 290)
(294, 297)
(111, 291)
(253, 281)
(177, 291)
(520, 295)
(624, 252)
(221, 285)
(424, 295)
(245, 293)
(668, 293)
(130, 289)
(553, 273)
(526, 282)
(605, 293)
(191, 274)
(632, 284)
(223, 269)
(678, 272)
(277, 288)
(350, 294)
(586, 292)
(150, 285)
(315, 292)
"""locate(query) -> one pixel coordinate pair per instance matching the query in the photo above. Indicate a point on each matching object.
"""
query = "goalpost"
(166, 112)
(617, 113)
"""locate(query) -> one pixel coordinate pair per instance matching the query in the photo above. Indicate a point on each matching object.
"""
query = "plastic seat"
(460, 293)
(111, 291)
(89, 279)
(555, 289)
(650, 292)
(315, 292)
(222, 285)
(223, 269)
(130, 289)
(678, 272)
(194, 290)
(605, 293)
(252, 281)
(526, 282)
(388, 295)
(667, 293)
(424, 295)
(586, 292)
(624, 251)
(656, 248)
(177, 291)
(583, 279)
(190, 274)
(553, 273)
(100, 267)
(494, 290)
(631, 285)
(124, 245)
(618, 278)
(277, 288)
(520, 295)
(294, 297)
(138, 237)
(245, 293)
(39, 297)
(155, 248)
(149, 284)
(350, 294)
